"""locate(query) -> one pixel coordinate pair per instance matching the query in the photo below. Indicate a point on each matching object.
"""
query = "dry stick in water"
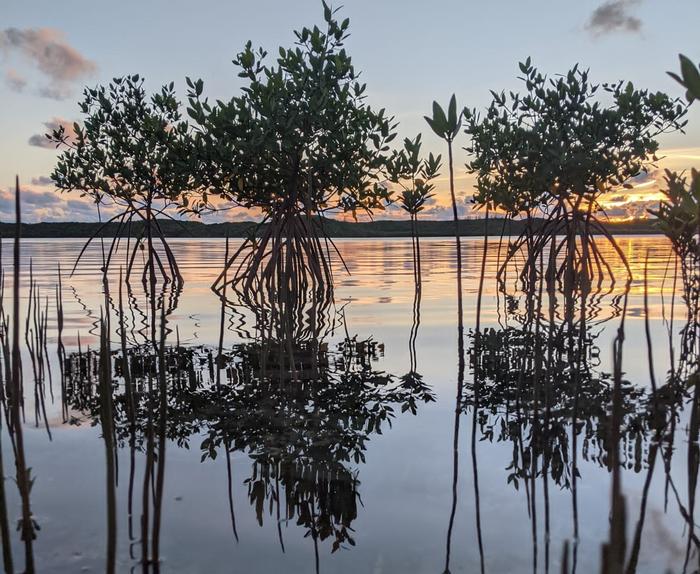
(672, 375)
(455, 445)
(222, 320)
(219, 366)
(565, 558)
(647, 328)
(28, 342)
(413, 336)
(551, 308)
(35, 336)
(4, 519)
(579, 350)
(126, 372)
(458, 243)
(24, 482)
(536, 431)
(45, 348)
(455, 451)
(5, 392)
(417, 290)
(160, 468)
(148, 475)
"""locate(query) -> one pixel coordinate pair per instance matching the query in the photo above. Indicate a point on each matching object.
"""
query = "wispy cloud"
(48, 51)
(40, 140)
(16, 82)
(615, 16)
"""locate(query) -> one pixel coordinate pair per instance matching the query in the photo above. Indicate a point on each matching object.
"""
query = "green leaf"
(434, 127)
(452, 112)
(691, 76)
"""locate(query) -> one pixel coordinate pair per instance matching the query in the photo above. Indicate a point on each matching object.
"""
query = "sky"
(410, 52)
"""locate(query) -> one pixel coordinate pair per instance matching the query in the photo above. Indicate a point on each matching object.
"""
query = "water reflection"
(290, 423)
(531, 402)
(304, 430)
(541, 386)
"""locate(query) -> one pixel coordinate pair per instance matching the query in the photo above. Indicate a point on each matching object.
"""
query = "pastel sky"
(410, 52)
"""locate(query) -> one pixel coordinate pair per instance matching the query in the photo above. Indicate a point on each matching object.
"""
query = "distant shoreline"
(334, 228)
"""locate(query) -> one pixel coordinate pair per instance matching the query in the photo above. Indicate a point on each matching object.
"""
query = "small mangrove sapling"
(551, 154)
(298, 142)
(446, 126)
(130, 152)
(412, 173)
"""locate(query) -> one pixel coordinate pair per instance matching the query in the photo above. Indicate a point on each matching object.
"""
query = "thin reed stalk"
(23, 478)
(107, 419)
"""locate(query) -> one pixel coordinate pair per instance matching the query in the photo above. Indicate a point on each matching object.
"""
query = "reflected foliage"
(678, 217)
(303, 430)
(540, 375)
(532, 387)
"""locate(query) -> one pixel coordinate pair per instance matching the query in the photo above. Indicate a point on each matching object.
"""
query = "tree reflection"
(512, 403)
(539, 385)
(305, 429)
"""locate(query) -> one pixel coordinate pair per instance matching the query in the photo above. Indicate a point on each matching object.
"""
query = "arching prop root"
(150, 237)
(566, 238)
(284, 275)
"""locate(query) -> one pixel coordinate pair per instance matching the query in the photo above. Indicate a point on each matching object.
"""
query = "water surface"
(394, 502)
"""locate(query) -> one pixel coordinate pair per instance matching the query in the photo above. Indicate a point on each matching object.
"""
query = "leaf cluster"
(445, 125)
(564, 140)
(679, 212)
(689, 78)
(413, 173)
(131, 148)
(300, 135)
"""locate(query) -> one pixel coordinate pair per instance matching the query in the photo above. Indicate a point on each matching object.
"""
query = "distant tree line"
(334, 228)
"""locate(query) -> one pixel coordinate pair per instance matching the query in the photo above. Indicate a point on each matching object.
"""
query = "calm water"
(394, 502)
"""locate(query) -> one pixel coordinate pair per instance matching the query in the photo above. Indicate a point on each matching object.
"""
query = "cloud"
(40, 204)
(40, 198)
(614, 16)
(82, 205)
(42, 180)
(631, 210)
(16, 82)
(647, 177)
(47, 50)
(40, 140)
(617, 199)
